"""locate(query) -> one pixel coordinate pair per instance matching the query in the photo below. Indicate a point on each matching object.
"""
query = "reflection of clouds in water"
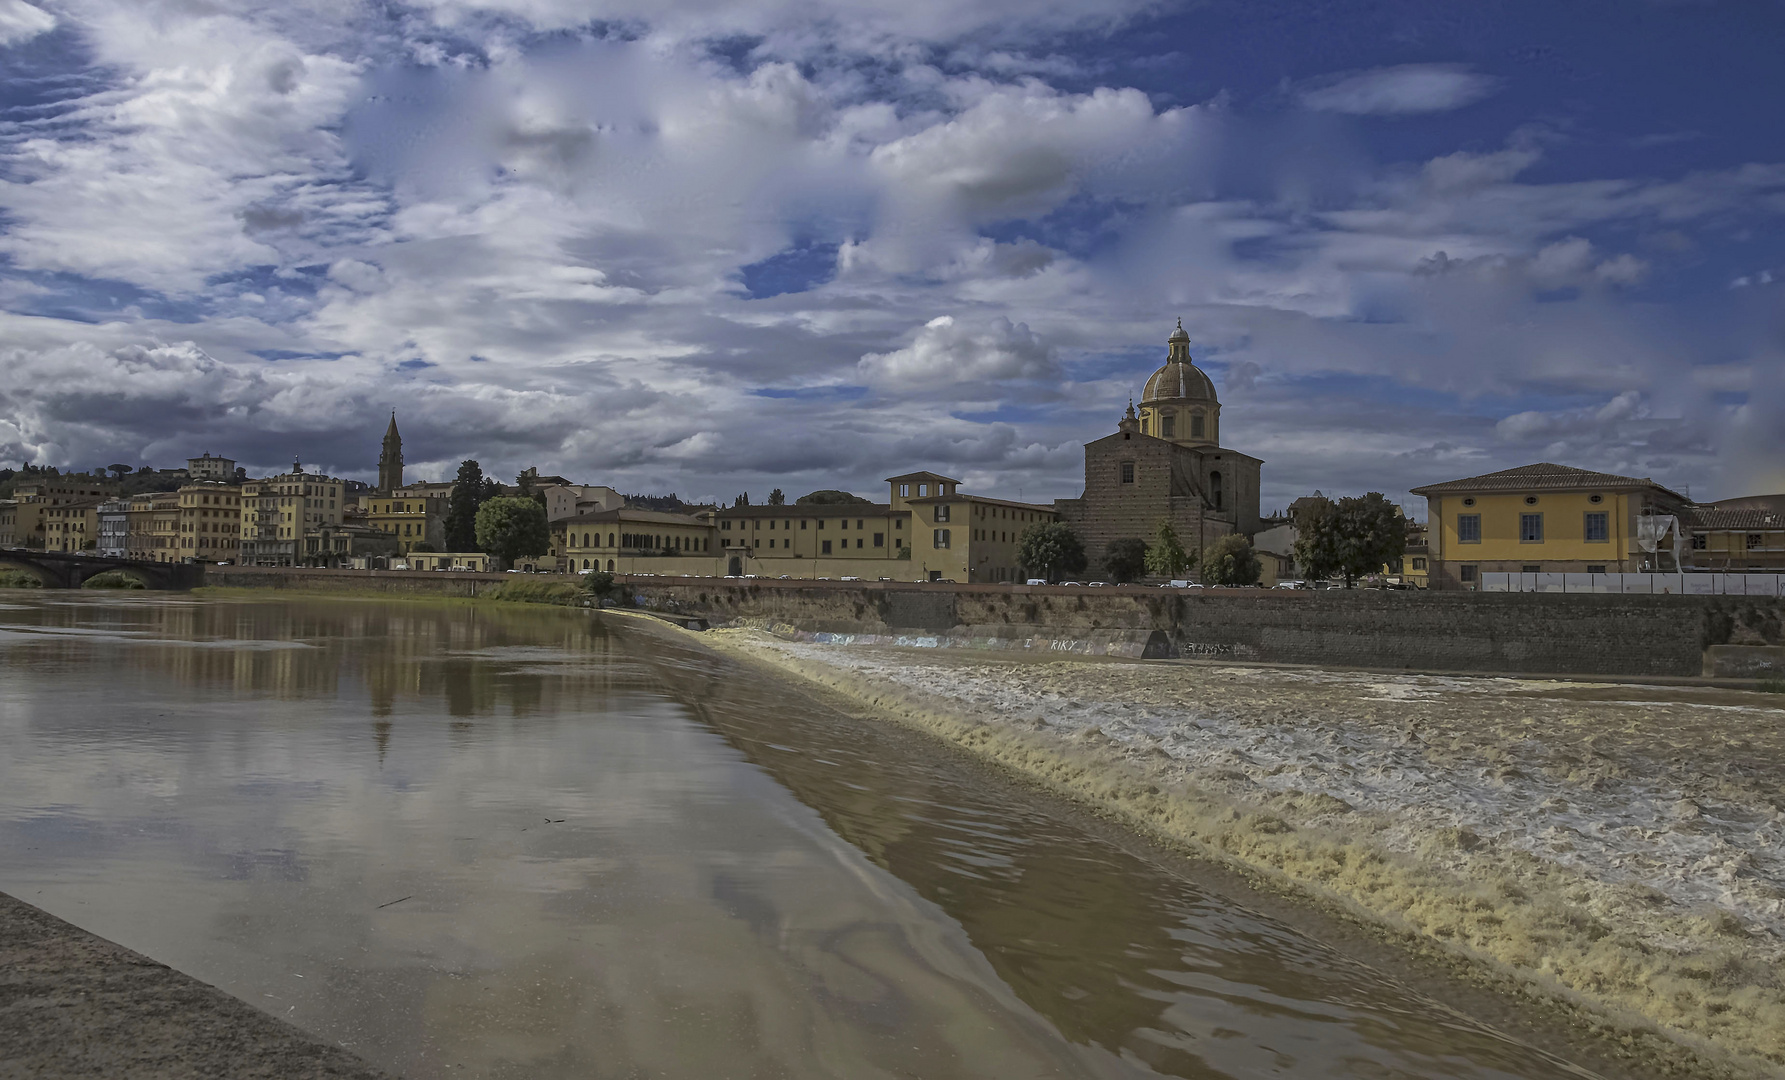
(27, 635)
(592, 882)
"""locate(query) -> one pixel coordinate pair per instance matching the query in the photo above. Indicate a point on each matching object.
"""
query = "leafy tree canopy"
(1125, 559)
(468, 493)
(1351, 538)
(1166, 557)
(512, 528)
(1230, 561)
(829, 497)
(1051, 550)
(777, 497)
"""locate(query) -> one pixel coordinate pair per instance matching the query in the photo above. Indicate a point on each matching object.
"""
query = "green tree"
(1372, 534)
(1230, 561)
(599, 584)
(1352, 537)
(1051, 550)
(527, 487)
(777, 497)
(742, 500)
(119, 472)
(1167, 557)
(829, 497)
(468, 493)
(1316, 536)
(512, 528)
(1125, 559)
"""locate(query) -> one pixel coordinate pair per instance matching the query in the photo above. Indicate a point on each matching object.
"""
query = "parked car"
(1036, 581)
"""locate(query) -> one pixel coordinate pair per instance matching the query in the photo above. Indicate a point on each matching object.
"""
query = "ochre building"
(1542, 519)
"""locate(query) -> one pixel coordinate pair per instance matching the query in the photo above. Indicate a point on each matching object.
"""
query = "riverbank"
(73, 1004)
(1617, 850)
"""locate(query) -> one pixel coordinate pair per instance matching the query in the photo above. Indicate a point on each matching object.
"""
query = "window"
(879, 539)
(1169, 426)
(1127, 472)
(1533, 569)
(1466, 573)
(827, 547)
(1754, 541)
(1600, 569)
(1196, 425)
(844, 524)
(858, 523)
(725, 525)
(1700, 541)
(858, 541)
(904, 490)
(1215, 488)
(899, 524)
(771, 543)
(940, 539)
(942, 513)
(1598, 527)
(1470, 501)
(610, 539)
(1468, 528)
(923, 489)
(1595, 499)
(1419, 564)
(1530, 528)
(1530, 500)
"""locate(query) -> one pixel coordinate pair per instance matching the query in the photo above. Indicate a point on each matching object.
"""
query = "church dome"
(1180, 379)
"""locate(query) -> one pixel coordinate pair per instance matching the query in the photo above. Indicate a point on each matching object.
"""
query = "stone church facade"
(1166, 462)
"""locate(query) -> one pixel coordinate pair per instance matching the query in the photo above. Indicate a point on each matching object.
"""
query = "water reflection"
(507, 841)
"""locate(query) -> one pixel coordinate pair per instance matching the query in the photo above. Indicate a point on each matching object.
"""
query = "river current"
(500, 841)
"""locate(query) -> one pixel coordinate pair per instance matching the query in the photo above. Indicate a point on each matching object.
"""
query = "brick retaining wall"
(1536, 633)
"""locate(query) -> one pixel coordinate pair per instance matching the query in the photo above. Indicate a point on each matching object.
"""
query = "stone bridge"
(59, 570)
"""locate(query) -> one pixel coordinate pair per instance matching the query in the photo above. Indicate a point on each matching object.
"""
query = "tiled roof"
(1543, 476)
(808, 510)
(625, 514)
(922, 476)
(1712, 517)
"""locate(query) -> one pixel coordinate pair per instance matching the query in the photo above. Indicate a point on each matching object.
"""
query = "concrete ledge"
(76, 1005)
(1744, 662)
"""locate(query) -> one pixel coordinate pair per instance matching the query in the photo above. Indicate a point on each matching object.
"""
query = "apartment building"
(278, 511)
(211, 521)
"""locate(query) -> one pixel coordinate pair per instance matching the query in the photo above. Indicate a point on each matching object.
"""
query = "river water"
(500, 841)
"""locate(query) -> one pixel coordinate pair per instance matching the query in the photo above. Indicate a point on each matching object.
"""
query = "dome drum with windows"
(1179, 403)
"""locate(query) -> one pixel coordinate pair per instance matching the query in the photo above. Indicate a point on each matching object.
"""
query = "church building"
(1167, 463)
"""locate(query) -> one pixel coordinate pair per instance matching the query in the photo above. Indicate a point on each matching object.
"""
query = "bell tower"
(390, 461)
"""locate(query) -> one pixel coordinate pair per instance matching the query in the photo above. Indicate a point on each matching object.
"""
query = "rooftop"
(1543, 476)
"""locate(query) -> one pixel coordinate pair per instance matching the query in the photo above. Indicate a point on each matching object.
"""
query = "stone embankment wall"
(1530, 633)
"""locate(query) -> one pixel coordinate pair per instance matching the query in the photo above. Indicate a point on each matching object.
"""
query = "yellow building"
(627, 541)
(1738, 534)
(927, 530)
(153, 527)
(960, 537)
(71, 525)
(411, 516)
(1541, 518)
(19, 523)
(211, 521)
(277, 513)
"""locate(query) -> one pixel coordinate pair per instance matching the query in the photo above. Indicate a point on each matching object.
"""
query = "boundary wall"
(1508, 633)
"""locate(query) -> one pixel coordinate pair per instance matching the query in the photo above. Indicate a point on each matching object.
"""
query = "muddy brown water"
(492, 840)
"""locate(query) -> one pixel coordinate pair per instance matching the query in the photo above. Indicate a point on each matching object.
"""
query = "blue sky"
(714, 248)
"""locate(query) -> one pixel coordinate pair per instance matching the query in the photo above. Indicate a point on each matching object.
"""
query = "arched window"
(1169, 430)
(585, 564)
(1215, 488)
(1196, 425)
(610, 566)
(610, 539)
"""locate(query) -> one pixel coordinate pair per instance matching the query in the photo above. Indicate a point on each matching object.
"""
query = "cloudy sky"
(703, 247)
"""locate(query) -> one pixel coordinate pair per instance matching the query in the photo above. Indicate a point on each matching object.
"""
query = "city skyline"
(670, 249)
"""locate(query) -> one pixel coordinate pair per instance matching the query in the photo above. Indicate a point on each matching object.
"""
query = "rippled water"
(503, 841)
